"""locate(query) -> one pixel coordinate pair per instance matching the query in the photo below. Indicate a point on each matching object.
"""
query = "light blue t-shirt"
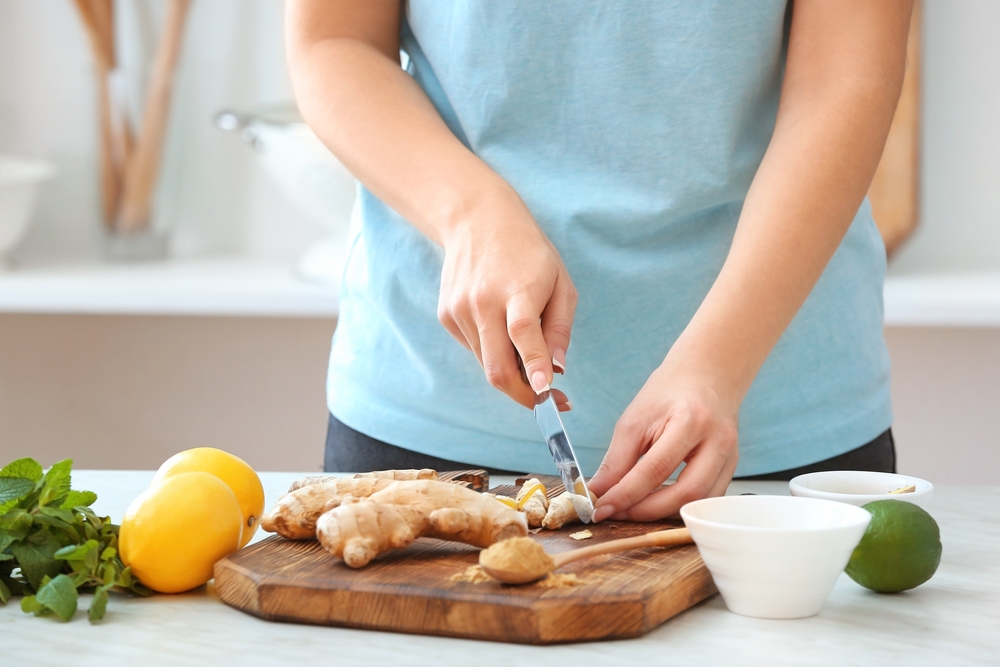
(632, 131)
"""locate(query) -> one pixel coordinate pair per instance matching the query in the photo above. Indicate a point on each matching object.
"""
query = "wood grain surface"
(411, 590)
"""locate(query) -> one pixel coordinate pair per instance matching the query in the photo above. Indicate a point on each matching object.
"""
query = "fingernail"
(538, 382)
(566, 407)
(559, 361)
(603, 512)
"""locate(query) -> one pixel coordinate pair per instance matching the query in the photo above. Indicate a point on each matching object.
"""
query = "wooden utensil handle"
(144, 162)
(660, 538)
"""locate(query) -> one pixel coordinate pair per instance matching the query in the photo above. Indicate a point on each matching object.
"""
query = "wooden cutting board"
(411, 590)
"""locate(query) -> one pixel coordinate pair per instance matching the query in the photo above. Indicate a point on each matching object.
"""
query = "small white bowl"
(774, 556)
(20, 180)
(858, 487)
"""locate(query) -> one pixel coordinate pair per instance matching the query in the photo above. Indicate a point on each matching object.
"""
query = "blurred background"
(171, 239)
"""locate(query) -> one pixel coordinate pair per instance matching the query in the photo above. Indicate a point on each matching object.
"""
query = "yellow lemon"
(232, 470)
(175, 531)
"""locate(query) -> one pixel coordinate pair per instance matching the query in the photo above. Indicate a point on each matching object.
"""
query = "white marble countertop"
(954, 619)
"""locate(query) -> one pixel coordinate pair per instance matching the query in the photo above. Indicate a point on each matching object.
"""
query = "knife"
(549, 422)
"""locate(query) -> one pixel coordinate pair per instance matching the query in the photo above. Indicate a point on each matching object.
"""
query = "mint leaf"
(6, 539)
(77, 551)
(26, 468)
(15, 488)
(98, 605)
(58, 526)
(60, 596)
(127, 580)
(90, 533)
(36, 556)
(53, 546)
(16, 522)
(90, 516)
(56, 483)
(108, 573)
(66, 516)
(29, 605)
(79, 499)
(124, 578)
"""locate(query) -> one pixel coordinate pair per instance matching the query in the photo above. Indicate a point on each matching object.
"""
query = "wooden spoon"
(531, 569)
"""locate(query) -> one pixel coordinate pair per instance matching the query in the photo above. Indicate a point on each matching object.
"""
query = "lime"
(900, 550)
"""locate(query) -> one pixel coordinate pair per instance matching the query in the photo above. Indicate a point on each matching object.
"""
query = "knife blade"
(547, 416)
(551, 426)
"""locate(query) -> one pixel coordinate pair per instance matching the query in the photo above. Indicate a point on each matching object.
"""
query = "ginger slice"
(529, 489)
(403, 511)
(562, 510)
(532, 501)
(506, 500)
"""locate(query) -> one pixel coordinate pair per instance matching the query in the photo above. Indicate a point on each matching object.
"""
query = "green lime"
(900, 550)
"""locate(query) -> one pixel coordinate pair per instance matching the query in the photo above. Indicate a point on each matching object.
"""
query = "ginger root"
(294, 516)
(423, 473)
(563, 510)
(400, 475)
(532, 501)
(394, 517)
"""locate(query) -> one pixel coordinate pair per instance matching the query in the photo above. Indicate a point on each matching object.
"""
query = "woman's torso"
(632, 131)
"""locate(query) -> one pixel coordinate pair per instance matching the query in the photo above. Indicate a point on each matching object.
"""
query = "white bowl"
(774, 556)
(20, 179)
(858, 487)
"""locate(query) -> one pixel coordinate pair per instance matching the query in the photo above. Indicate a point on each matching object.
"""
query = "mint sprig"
(53, 546)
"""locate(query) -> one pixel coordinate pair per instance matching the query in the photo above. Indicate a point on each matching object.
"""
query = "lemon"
(232, 470)
(900, 550)
(175, 531)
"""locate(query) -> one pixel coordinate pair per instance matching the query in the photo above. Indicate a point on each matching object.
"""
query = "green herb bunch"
(53, 546)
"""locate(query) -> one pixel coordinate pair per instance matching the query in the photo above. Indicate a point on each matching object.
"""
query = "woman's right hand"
(504, 282)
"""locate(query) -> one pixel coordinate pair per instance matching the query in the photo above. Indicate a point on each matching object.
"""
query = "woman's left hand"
(676, 417)
(843, 74)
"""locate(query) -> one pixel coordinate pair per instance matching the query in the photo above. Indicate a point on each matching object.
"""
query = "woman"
(679, 186)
